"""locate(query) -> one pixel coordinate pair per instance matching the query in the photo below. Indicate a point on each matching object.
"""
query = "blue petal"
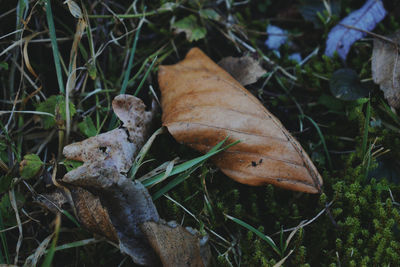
(296, 57)
(276, 37)
(341, 38)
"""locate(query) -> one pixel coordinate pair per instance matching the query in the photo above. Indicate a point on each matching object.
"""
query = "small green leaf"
(92, 71)
(48, 106)
(345, 85)
(209, 13)
(61, 105)
(30, 166)
(4, 65)
(52, 104)
(87, 127)
(362, 101)
(72, 164)
(190, 27)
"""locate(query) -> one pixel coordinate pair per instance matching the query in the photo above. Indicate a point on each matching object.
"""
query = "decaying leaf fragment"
(246, 70)
(202, 104)
(92, 213)
(127, 203)
(118, 145)
(386, 68)
(110, 204)
(175, 245)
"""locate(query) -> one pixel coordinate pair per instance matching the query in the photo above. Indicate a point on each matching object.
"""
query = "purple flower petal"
(341, 38)
(276, 37)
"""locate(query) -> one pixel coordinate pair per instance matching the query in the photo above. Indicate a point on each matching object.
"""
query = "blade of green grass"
(321, 136)
(79, 243)
(366, 126)
(140, 157)
(387, 109)
(131, 57)
(258, 233)
(282, 244)
(53, 38)
(368, 156)
(2, 260)
(92, 63)
(72, 218)
(287, 91)
(4, 243)
(176, 181)
(128, 71)
(190, 163)
(145, 76)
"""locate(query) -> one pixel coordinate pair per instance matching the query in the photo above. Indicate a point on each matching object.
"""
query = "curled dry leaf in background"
(386, 67)
(202, 104)
(246, 70)
(110, 204)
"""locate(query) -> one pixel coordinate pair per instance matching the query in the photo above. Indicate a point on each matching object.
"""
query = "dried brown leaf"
(92, 214)
(89, 210)
(113, 145)
(175, 245)
(132, 112)
(127, 203)
(246, 70)
(386, 68)
(202, 104)
(109, 203)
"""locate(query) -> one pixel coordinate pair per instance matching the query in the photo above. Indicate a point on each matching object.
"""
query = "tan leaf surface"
(112, 145)
(386, 68)
(246, 70)
(175, 245)
(202, 104)
(117, 145)
(132, 112)
(92, 214)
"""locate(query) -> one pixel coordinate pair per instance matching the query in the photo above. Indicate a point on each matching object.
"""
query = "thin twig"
(370, 33)
(305, 221)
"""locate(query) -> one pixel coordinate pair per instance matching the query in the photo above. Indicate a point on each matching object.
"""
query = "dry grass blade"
(80, 30)
(33, 259)
(26, 55)
(20, 237)
(282, 261)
